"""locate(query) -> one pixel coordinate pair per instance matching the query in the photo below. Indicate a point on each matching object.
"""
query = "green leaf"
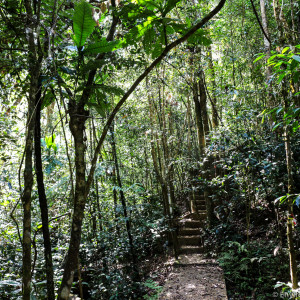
(277, 125)
(151, 5)
(279, 110)
(296, 57)
(67, 70)
(157, 49)
(109, 89)
(258, 58)
(148, 40)
(179, 28)
(103, 46)
(296, 78)
(9, 282)
(94, 64)
(100, 105)
(285, 49)
(279, 284)
(48, 99)
(280, 199)
(83, 23)
(199, 38)
(280, 78)
(49, 140)
(169, 6)
(294, 64)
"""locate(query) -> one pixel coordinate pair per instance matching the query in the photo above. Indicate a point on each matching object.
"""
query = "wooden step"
(189, 223)
(190, 249)
(189, 231)
(199, 215)
(201, 208)
(202, 215)
(189, 240)
(185, 260)
(200, 202)
(199, 197)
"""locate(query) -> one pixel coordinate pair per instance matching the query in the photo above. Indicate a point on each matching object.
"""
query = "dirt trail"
(195, 278)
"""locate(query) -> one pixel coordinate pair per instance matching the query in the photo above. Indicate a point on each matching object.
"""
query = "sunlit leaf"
(103, 46)
(83, 23)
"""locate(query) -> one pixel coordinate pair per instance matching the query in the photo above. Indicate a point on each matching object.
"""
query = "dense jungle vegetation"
(113, 114)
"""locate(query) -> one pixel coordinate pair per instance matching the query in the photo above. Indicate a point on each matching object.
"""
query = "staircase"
(189, 235)
(194, 277)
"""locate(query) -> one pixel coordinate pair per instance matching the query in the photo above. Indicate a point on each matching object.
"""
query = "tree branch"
(140, 79)
(258, 20)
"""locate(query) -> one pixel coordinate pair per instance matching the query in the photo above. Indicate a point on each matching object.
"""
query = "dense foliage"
(115, 113)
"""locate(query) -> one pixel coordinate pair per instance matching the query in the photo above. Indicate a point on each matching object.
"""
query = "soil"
(194, 277)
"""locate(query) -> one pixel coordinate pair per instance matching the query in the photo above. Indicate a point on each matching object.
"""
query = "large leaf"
(103, 46)
(99, 102)
(83, 23)
(296, 57)
(199, 38)
(48, 99)
(107, 89)
(149, 38)
(170, 5)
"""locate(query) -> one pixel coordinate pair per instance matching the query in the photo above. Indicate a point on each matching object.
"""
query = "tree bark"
(78, 117)
(203, 103)
(26, 195)
(199, 123)
(43, 199)
(34, 72)
(215, 116)
(291, 189)
(124, 206)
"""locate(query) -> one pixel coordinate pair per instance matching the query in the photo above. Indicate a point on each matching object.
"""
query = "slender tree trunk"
(43, 199)
(172, 237)
(215, 120)
(26, 195)
(286, 35)
(199, 123)
(114, 180)
(189, 134)
(203, 104)
(34, 72)
(124, 205)
(266, 29)
(78, 117)
(267, 50)
(291, 189)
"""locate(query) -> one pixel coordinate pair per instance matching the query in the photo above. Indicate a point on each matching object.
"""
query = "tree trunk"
(78, 117)
(26, 195)
(43, 199)
(34, 72)
(199, 123)
(203, 104)
(172, 237)
(267, 50)
(215, 120)
(124, 205)
(291, 189)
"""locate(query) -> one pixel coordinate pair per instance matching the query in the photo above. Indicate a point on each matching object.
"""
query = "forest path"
(193, 276)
